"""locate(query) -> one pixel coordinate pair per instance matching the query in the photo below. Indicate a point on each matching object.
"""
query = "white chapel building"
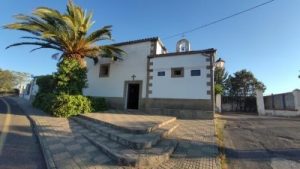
(151, 80)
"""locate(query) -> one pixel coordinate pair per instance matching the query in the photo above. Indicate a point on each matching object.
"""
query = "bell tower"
(183, 45)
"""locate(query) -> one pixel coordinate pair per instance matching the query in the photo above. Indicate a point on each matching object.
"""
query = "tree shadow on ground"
(187, 149)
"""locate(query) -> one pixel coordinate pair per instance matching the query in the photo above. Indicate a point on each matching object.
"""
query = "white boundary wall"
(218, 103)
(286, 113)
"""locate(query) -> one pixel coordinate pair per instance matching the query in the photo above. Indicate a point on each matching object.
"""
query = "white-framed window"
(177, 72)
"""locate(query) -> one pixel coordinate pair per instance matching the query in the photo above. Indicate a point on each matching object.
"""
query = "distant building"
(152, 80)
(30, 90)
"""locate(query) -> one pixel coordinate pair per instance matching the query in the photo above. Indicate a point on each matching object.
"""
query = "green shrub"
(71, 77)
(218, 89)
(46, 83)
(44, 101)
(62, 105)
(98, 103)
(70, 105)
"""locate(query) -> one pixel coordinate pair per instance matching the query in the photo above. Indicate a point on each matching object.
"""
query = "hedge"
(63, 105)
(44, 101)
(70, 105)
(98, 103)
(46, 83)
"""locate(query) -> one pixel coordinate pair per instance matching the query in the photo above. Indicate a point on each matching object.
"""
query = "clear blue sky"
(265, 41)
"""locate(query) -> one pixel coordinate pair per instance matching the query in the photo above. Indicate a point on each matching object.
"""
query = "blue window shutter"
(162, 73)
(195, 72)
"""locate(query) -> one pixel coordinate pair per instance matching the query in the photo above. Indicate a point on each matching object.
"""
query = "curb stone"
(46, 155)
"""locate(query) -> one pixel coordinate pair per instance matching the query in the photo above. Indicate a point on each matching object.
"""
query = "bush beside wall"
(46, 83)
(98, 103)
(70, 105)
(64, 105)
(44, 101)
(61, 94)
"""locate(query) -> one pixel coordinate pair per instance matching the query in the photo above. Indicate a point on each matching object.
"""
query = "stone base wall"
(283, 113)
(115, 102)
(192, 104)
(119, 103)
(181, 108)
(182, 114)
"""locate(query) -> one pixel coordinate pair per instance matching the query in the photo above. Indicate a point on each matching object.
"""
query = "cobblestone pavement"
(197, 147)
(65, 147)
(131, 121)
(63, 144)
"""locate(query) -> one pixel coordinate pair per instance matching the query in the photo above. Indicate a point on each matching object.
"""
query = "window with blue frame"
(162, 73)
(195, 72)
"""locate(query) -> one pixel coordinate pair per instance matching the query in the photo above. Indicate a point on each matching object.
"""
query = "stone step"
(134, 141)
(137, 158)
(140, 127)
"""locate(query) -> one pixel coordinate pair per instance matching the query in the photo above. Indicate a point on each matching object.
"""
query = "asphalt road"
(262, 142)
(19, 147)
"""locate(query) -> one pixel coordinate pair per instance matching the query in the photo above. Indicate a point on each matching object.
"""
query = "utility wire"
(218, 20)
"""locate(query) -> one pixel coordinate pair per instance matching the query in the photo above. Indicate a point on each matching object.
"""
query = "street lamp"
(219, 63)
(217, 99)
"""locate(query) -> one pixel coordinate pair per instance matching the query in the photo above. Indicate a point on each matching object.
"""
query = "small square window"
(104, 70)
(162, 73)
(177, 72)
(195, 72)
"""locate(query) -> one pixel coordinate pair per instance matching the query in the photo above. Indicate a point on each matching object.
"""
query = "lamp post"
(219, 63)
(217, 99)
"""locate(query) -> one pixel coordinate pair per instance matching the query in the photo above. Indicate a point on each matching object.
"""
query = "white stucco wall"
(135, 62)
(34, 87)
(22, 89)
(218, 103)
(159, 49)
(187, 87)
(260, 102)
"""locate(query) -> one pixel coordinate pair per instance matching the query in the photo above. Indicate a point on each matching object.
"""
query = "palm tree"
(66, 33)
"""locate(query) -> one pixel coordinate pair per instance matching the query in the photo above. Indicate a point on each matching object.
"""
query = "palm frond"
(111, 52)
(66, 32)
(44, 45)
(51, 41)
(55, 56)
(101, 34)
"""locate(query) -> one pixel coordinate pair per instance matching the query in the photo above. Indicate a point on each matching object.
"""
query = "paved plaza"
(138, 123)
(65, 146)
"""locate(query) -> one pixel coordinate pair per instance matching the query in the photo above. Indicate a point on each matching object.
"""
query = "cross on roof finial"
(133, 77)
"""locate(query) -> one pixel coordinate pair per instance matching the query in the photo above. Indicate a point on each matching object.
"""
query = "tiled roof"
(205, 51)
(211, 50)
(136, 41)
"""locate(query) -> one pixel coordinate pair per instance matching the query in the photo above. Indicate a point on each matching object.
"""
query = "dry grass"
(219, 126)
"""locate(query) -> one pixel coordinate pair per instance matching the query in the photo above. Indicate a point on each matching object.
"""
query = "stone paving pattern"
(64, 144)
(132, 140)
(197, 147)
(130, 121)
